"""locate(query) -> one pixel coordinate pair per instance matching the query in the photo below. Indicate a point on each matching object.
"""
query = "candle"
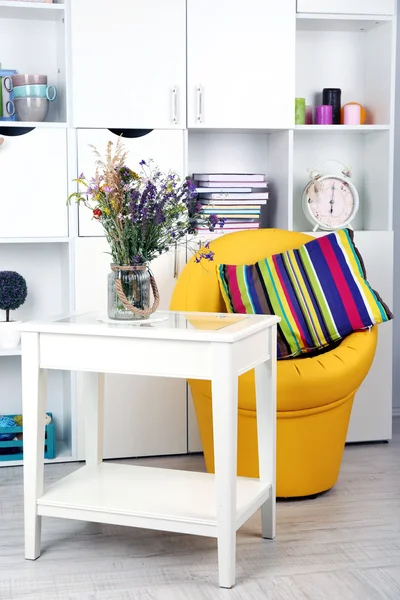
(332, 97)
(352, 114)
(309, 115)
(323, 115)
(300, 111)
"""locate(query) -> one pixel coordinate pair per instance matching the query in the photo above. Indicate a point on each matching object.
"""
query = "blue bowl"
(36, 90)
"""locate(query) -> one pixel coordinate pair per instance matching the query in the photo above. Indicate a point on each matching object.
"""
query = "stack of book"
(235, 197)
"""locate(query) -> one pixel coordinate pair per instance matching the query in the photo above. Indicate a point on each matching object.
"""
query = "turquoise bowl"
(36, 91)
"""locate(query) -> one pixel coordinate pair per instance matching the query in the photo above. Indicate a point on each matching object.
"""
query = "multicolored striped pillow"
(320, 292)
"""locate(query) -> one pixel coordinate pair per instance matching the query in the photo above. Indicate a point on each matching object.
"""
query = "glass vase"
(135, 284)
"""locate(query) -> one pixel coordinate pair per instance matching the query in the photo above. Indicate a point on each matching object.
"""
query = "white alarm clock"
(330, 202)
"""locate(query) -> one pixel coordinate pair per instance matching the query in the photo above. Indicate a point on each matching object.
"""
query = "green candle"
(300, 111)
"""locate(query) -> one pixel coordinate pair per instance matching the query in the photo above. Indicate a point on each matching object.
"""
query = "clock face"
(331, 201)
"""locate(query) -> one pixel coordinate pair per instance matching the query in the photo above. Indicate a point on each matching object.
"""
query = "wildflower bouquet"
(143, 213)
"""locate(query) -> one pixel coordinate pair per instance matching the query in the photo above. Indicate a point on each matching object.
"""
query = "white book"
(225, 190)
(231, 227)
(230, 202)
(235, 184)
(234, 197)
(228, 177)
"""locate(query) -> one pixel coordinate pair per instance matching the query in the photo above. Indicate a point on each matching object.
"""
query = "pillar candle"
(309, 115)
(352, 114)
(300, 111)
(333, 96)
(323, 115)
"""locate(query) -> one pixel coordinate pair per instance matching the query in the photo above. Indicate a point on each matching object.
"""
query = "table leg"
(33, 410)
(266, 430)
(225, 418)
(93, 398)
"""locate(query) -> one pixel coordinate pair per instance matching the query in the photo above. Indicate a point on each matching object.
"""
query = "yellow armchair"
(315, 395)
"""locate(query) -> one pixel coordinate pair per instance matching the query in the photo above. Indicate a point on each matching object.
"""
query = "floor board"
(344, 545)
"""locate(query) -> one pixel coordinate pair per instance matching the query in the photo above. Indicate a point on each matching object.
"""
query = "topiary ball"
(13, 290)
(7, 422)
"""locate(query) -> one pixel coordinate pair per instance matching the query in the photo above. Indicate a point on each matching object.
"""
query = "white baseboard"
(396, 412)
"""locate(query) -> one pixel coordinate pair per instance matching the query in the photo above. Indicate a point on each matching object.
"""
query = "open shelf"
(341, 128)
(31, 10)
(193, 130)
(169, 500)
(34, 240)
(10, 351)
(263, 152)
(368, 157)
(355, 56)
(46, 270)
(328, 22)
(33, 40)
(29, 124)
(63, 454)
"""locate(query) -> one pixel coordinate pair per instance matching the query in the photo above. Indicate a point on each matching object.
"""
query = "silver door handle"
(199, 104)
(174, 105)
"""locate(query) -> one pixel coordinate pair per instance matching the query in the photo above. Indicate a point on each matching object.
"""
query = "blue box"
(7, 73)
(13, 450)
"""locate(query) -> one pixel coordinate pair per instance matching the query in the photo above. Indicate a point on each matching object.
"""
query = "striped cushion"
(320, 292)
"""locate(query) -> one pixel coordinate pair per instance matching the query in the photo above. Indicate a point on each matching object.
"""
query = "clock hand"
(333, 197)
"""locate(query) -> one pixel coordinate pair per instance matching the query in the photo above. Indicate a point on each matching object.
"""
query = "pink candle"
(323, 114)
(352, 114)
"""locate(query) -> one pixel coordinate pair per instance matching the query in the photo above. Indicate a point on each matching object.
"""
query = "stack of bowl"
(31, 96)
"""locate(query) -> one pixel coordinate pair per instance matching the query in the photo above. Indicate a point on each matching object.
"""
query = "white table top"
(172, 325)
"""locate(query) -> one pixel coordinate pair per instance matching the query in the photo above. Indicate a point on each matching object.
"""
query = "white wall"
(396, 222)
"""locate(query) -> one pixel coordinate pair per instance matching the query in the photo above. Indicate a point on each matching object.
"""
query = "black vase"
(332, 97)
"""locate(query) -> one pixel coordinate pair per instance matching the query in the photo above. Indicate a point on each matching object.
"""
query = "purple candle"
(323, 115)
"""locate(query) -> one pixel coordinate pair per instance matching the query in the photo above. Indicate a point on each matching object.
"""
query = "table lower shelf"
(162, 499)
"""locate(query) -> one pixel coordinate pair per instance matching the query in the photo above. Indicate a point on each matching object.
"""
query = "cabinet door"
(128, 63)
(165, 147)
(346, 7)
(33, 184)
(144, 416)
(241, 63)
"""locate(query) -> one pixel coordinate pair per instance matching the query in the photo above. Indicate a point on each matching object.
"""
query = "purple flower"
(142, 163)
(208, 255)
(213, 220)
(81, 176)
(204, 256)
(107, 189)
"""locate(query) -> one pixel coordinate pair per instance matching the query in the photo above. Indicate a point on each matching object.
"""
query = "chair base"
(310, 444)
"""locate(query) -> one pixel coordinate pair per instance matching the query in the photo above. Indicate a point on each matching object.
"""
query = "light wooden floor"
(345, 545)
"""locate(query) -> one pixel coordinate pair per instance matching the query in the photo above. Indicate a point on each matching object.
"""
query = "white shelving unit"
(357, 53)
(229, 124)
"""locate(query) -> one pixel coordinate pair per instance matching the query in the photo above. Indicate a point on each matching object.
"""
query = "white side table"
(216, 347)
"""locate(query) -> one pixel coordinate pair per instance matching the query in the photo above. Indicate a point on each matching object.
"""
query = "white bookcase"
(220, 103)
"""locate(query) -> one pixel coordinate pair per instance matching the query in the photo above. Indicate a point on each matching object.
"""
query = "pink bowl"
(23, 79)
